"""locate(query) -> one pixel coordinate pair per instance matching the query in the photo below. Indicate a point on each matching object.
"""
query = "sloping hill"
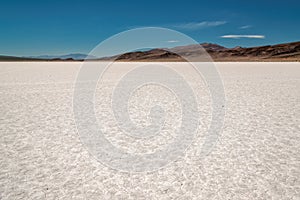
(280, 52)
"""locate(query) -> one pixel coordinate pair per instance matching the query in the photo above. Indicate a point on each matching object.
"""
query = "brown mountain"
(279, 52)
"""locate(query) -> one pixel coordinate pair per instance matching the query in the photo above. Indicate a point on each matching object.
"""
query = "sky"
(35, 27)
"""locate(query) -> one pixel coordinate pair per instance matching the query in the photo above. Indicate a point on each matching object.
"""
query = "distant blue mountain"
(74, 56)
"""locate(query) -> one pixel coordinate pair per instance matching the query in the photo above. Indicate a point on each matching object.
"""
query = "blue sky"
(60, 27)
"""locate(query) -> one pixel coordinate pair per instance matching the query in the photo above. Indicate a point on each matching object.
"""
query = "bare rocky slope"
(280, 52)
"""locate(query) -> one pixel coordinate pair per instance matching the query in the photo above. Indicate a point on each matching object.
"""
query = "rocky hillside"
(280, 52)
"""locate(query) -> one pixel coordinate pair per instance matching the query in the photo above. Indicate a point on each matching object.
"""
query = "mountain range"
(279, 52)
(74, 56)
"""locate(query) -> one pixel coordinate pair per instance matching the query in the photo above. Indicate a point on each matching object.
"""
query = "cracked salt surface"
(257, 156)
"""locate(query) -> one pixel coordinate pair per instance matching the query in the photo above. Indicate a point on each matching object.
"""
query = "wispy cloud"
(199, 25)
(243, 36)
(172, 41)
(246, 27)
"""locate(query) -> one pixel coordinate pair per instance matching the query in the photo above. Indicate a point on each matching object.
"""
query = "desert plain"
(256, 156)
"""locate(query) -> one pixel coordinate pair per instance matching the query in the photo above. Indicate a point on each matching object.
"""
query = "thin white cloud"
(243, 36)
(199, 25)
(172, 41)
(245, 27)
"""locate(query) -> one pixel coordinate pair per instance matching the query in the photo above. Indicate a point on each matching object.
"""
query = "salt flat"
(257, 155)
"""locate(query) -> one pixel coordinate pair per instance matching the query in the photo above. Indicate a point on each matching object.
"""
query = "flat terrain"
(257, 155)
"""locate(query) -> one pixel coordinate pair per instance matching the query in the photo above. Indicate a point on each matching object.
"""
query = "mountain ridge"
(279, 52)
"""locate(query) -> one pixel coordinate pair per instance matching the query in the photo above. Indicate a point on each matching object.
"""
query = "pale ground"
(257, 156)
